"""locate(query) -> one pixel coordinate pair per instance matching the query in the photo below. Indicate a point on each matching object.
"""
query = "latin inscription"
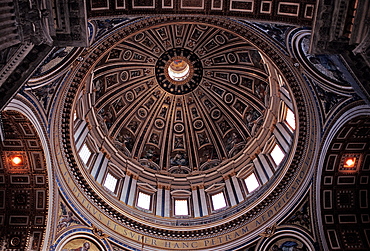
(186, 245)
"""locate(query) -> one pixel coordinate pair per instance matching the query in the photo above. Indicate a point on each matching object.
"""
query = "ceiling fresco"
(181, 126)
(178, 110)
(184, 125)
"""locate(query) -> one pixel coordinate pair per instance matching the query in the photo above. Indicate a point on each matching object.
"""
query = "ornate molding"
(237, 221)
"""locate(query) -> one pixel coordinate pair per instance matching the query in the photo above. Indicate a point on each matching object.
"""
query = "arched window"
(251, 182)
(110, 182)
(144, 200)
(181, 207)
(290, 119)
(85, 153)
(218, 201)
(277, 154)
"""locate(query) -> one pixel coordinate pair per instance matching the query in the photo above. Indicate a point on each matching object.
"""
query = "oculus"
(179, 71)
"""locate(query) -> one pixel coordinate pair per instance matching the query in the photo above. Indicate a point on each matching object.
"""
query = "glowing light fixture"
(16, 160)
(350, 162)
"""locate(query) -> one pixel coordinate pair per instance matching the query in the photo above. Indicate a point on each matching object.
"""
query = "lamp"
(16, 160)
(349, 162)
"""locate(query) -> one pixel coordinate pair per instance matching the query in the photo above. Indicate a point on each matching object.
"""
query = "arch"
(21, 105)
(291, 233)
(350, 114)
(82, 234)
